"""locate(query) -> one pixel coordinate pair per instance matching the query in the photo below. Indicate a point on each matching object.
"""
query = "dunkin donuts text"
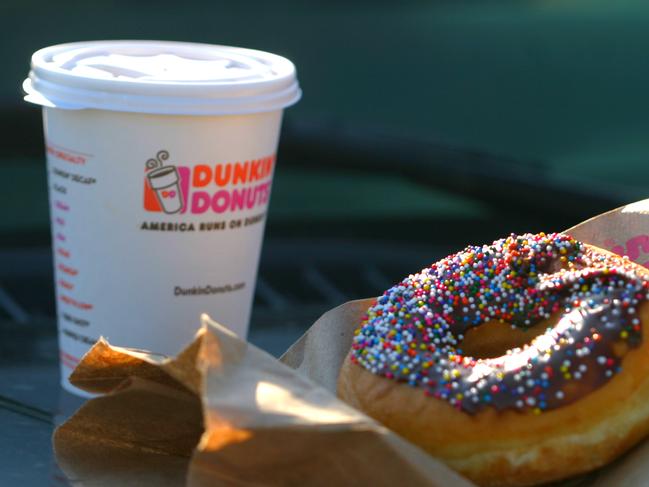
(212, 188)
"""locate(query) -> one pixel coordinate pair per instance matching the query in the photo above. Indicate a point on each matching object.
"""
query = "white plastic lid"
(162, 77)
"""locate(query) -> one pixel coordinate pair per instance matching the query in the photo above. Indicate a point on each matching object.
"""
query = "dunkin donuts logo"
(206, 188)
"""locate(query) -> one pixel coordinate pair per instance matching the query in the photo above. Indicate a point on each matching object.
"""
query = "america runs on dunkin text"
(413, 332)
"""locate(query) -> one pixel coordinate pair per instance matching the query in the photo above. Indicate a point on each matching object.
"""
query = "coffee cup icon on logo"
(164, 182)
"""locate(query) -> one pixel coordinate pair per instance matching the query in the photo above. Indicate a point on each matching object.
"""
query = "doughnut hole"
(620, 348)
(493, 338)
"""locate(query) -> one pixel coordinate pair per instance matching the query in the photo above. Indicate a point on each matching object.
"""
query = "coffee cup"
(160, 163)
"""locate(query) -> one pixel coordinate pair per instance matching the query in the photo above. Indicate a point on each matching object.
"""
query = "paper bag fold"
(226, 413)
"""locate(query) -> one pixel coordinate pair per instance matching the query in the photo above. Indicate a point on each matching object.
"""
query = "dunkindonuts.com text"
(203, 290)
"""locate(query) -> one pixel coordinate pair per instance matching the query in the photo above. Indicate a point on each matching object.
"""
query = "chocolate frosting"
(413, 333)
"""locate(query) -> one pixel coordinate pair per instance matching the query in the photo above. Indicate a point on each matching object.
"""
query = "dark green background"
(557, 83)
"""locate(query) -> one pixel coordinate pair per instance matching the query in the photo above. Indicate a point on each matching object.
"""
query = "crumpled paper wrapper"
(224, 412)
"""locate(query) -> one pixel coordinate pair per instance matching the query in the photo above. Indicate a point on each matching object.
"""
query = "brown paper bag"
(270, 423)
(225, 413)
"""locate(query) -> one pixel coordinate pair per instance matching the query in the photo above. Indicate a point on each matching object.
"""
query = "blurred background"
(424, 126)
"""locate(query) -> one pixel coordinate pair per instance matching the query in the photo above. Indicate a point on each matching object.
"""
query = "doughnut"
(517, 363)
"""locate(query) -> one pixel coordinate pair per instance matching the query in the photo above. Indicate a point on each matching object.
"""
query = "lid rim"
(274, 87)
(198, 109)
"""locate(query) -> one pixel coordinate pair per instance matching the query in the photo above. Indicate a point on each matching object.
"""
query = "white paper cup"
(160, 163)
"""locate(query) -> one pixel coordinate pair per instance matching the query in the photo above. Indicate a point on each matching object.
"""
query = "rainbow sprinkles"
(413, 332)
